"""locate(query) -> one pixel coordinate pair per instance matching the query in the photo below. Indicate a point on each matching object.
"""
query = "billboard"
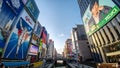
(33, 9)
(99, 13)
(16, 5)
(38, 29)
(44, 35)
(7, 17)
(9, 10)
(35, 39)
(33, 50)
(17, 46)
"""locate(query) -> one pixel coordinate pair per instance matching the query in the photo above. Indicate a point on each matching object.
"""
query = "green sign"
(106, 19)
(98, 14)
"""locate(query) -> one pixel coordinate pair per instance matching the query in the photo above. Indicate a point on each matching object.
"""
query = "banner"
(99, 13)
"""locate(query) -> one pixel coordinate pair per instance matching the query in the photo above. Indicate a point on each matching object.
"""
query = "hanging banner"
(17, 46)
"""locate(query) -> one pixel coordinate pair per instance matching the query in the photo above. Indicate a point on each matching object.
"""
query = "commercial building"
(80, 43)
(83, 4)
(102, 25)
(65, 52)
(55, 54)
(69, 46)
(50, 50)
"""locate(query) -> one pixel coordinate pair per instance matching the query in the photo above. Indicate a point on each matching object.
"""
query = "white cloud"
(61, 35)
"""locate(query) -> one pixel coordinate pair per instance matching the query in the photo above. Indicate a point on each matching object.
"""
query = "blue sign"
(15, 5)
(17, 46)
(33, 9)
(7, 18)
(38, 29)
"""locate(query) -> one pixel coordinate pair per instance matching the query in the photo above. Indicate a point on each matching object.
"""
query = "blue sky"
(59, 17)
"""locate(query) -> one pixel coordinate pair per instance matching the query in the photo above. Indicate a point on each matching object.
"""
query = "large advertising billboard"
(38, 29)
(99, 13)
(33, 50)
(35, 40)
(17, 46)
(9, 11)
(33, 9)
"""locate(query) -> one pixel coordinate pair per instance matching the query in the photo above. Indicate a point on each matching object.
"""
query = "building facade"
(80, 43)
(103, 30)
(69, 46)
(50, 49)
(83, 4)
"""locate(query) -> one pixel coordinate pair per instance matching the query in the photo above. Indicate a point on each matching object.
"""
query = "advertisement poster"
(8, 15)
(99, 13)
(38, 29)
(33, 9)
(35, 40)
(17, 46)
(33, 50)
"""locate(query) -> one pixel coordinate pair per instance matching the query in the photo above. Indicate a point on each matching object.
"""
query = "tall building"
(65, 52)
(83, 4)
(69, 46)
(102, 25)
(80, 43)
(50, 50)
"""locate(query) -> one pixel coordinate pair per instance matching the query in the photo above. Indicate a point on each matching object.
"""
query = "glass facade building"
(83, 4)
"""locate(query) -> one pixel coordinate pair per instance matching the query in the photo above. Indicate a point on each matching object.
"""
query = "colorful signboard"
(35, 40)
(99, 13)
(7, 17)
(33, 50)
(38, 29)
(17, 46)
(33, 9)
(44, 35)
